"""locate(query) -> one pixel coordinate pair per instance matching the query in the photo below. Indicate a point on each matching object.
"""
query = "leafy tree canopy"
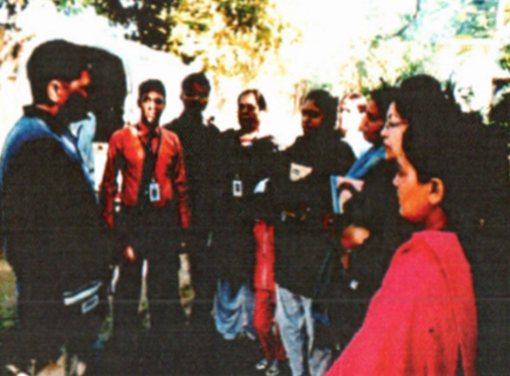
(232, 37)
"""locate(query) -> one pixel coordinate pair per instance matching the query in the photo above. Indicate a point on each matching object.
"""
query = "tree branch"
(402, 30)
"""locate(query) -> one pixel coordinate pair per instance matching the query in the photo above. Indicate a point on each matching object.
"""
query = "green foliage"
(504, 61)
(7, 297)
(477, 19)
(389, 60)
(232, 37)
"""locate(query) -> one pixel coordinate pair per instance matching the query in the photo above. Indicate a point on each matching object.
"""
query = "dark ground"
(221, 357)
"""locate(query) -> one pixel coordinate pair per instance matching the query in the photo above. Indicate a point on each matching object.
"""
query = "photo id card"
(237, 188)
(154, 192)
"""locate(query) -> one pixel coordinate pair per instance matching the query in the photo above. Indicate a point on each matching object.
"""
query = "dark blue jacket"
(53, 236)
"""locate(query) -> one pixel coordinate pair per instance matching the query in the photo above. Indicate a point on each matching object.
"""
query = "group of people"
(340, 257)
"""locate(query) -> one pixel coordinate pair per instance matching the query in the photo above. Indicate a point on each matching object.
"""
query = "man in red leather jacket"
(152, 217)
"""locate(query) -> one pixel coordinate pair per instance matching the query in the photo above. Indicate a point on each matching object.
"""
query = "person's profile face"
(393, 133)
(197, 96)
(311, 116)
(152, 105)
(349, 116)
(372, 123)
(248, 112)
(413, 196)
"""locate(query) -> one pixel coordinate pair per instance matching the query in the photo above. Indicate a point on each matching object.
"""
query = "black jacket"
(301, 204)
(238, 171)
(199, 141)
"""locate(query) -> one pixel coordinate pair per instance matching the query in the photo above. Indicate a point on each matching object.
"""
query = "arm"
(181, 188)
(109, 189)
(109, 186)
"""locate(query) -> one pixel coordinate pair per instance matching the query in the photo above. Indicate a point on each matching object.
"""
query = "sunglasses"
(157, 101)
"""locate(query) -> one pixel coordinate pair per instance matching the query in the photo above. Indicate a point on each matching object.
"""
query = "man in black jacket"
(199, 141)
(51, 228)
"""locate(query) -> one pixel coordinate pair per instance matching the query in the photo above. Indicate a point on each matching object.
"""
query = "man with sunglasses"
(53, 237)
(151, 221)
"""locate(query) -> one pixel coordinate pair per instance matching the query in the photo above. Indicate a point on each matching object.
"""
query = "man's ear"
(436, 191)
(54, 91)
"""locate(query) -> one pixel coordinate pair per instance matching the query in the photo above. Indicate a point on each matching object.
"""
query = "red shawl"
(423, 317)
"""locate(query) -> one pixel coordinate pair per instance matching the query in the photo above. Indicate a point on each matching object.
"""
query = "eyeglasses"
(389, 125)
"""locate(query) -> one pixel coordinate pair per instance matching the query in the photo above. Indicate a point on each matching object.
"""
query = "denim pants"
(233, 311)
(294, 319)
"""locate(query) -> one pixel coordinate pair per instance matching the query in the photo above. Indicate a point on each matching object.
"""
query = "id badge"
(154, 192)
(237, 188)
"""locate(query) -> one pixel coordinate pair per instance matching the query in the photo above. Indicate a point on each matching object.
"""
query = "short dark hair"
(383, 97)
(439, 144)
(419, 93)
(151, 85)
(327, 104)
(55, 60)
(199, 78)
(261, 101)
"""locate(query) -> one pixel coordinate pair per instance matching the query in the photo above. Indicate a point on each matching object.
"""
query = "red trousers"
(265, 326)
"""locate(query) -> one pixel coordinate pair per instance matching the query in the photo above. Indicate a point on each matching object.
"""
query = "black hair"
(419, 94)
(437, 144)
(421, 82)
(55, 60)
(199, 78)
(327, 104)
(151, 85)
(261, 101)
(383, 98)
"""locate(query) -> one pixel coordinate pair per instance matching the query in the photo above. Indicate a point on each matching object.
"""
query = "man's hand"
(129, 254)
(354, 236)
(184, 260)
(186, 291)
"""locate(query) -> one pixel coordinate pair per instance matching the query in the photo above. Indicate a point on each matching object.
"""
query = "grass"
(7, 297)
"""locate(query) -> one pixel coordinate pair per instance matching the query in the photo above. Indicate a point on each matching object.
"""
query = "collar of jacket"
(144, 131)
(52, 121)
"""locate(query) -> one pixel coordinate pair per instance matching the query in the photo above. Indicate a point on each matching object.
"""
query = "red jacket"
(423, 316)
(126, 153)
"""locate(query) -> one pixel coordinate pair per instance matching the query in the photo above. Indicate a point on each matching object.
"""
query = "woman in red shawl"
(423, 320)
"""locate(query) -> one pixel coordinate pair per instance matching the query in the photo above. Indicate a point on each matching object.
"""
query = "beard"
(75, 109)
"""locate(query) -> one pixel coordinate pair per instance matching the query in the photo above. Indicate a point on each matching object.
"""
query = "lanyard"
(148, 149)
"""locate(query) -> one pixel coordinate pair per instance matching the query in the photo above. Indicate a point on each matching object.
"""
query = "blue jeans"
(294, 319)
(234, 314)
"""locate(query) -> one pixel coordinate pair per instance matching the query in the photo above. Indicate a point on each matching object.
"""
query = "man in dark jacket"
(52, 231)
(199, 140)
(243, 163)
